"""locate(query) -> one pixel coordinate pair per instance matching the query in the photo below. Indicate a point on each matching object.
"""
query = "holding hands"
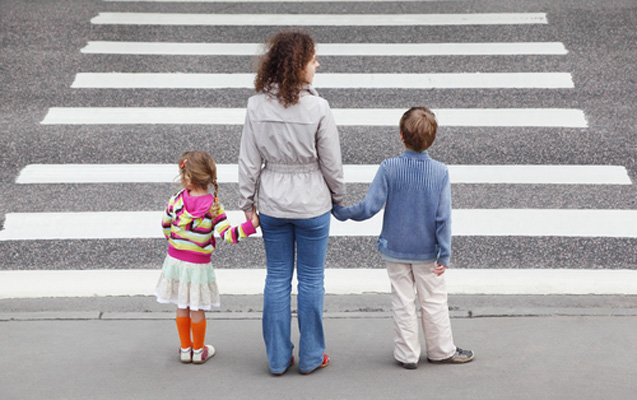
(337, 209)
(253, 217)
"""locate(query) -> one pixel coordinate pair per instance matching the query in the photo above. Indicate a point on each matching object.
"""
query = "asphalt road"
(40, 56)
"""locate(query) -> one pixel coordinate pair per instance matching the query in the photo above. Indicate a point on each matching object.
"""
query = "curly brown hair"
(283, 65)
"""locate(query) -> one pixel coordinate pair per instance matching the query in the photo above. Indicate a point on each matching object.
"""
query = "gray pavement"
(527, 347)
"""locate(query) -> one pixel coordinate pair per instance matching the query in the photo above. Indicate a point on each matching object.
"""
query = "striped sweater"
(189, 227)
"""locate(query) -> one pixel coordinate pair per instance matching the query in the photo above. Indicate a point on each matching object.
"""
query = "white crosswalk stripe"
(511, 117)
(270, 1)
(123, 18)
(330, 49)
(465, 222)
(518, 80)
(136, 282)
(228, 173)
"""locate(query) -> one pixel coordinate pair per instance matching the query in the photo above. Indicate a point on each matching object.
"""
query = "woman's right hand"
(336, 211)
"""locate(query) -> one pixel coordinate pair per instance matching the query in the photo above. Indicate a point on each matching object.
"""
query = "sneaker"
(407, 365)
(201, 356)
(325, 363)
(461, 357)
(185, 355)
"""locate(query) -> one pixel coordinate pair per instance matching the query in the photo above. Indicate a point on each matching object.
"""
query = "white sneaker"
(185, 355)
(202, 355)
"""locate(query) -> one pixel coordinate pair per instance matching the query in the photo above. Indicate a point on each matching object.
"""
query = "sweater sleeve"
(167, 219)
(232, 234)
(374, 200)
(443, 223)
(328, 148)
(249, 165)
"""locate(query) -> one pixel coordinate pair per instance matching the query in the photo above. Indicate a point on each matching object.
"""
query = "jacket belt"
(292, 168)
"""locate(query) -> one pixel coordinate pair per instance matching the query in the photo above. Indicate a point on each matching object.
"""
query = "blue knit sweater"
(416, 194)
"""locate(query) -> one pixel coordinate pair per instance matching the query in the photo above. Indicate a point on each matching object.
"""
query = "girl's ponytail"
(216, 205)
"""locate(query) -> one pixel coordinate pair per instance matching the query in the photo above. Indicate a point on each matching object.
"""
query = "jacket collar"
(305, 88)
(310, 89)
(417, 155)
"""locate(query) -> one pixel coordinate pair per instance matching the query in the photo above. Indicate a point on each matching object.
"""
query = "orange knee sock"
(198, 334)
(183, 327)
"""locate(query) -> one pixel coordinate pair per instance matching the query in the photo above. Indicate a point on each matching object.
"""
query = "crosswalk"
(70, 225)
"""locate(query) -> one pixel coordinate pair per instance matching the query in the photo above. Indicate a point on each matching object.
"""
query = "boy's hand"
(440, 269)
(335, 211)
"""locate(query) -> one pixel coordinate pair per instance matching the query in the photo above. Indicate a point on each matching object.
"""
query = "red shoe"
(326, 361)
(288, 367)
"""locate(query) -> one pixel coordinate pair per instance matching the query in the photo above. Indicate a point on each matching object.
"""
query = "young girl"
(187, 278)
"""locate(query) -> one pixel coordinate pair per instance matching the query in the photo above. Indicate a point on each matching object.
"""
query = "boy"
(415, 241)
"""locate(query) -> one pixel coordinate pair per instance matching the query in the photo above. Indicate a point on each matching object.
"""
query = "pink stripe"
(219, 218)
(248, 228)
(190, 256)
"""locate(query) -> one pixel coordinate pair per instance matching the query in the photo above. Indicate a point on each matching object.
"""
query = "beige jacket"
(290, 159)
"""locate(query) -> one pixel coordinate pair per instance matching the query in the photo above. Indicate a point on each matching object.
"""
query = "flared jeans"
(308, 239)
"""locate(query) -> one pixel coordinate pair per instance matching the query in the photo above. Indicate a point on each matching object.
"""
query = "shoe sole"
(407, 365)
(185, 359)
(214, 351)
(464, 361)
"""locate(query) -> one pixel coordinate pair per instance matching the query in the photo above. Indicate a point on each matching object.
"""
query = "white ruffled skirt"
(188, 285)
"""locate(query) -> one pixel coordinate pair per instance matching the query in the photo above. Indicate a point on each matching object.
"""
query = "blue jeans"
(280, 236)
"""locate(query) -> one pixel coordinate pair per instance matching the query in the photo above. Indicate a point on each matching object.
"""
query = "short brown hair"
(283, 65)
(418, 126)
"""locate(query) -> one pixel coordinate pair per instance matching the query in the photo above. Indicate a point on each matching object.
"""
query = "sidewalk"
(527, 347)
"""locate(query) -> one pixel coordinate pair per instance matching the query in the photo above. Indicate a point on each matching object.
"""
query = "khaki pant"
(417, 281)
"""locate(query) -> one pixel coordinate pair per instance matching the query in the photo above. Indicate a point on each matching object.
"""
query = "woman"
(290, 157)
